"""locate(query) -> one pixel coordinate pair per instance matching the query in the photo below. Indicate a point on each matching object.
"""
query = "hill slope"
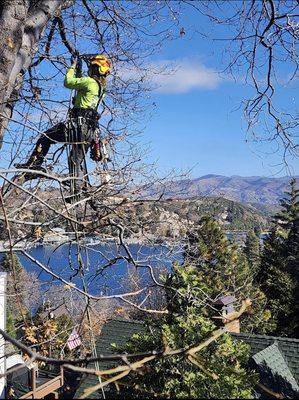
(176, 217)
(253, 189)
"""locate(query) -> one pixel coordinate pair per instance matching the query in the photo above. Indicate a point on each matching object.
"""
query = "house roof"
(288, 347)
(117, 331)
(272, 358)
(225, 300)
(278, 354)
(277, 361)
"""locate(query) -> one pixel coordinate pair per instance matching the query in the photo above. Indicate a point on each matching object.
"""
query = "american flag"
(73, 340)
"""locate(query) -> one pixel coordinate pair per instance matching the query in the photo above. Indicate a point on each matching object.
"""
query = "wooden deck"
(44, 387)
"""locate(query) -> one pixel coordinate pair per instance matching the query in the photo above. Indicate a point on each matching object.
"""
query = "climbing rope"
(78, 170)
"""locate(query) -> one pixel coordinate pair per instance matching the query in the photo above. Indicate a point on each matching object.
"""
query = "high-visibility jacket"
(88, 89)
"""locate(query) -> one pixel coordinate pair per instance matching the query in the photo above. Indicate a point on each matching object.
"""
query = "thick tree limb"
(22, 25)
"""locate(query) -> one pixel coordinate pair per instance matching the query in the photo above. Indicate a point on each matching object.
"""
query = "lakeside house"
(56, 235)
(275, 359)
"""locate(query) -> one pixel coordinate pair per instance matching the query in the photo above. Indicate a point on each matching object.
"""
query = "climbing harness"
(82, 131)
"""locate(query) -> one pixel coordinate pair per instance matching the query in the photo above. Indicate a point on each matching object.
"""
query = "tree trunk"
(22, 24)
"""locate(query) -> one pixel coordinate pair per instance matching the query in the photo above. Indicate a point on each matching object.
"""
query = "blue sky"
(198, 123)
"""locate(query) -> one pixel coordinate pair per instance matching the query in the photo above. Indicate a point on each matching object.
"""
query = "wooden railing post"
(33, 380)
(62, 374)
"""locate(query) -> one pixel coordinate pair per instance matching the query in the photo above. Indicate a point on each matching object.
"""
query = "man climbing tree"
(82, 123)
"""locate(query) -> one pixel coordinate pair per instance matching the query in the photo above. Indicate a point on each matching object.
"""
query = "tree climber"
(83, 118)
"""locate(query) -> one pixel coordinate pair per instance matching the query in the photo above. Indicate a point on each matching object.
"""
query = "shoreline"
(23, 245)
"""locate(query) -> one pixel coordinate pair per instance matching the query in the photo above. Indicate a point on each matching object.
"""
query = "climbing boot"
(35, 169)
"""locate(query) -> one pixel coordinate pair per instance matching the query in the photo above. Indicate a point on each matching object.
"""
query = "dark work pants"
(58, 134)
(61, 133)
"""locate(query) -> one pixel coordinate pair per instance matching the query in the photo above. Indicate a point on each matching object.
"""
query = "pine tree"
(22, 287)
(293, 249)
(213, 267)
(252, 250)
(224, 270)
(15, 296)
(11, 264)
(278, 273)
(285, 219)
(217, 371)
(292, 242)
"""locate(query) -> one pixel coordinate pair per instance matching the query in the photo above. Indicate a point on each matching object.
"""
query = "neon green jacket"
(87, 89)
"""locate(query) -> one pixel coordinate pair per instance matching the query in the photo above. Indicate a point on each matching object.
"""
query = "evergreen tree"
(10, 323)
(224, 270)
(22, 289)
(285, 219)
(278, 273)
(11, 264)
(252, 250)
(293, 249)
(287, 227)
(16, 308)
(213, 267)
(217, 371)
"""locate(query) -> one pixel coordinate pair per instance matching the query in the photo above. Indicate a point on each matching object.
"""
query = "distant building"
(239, 237)
(56, 235)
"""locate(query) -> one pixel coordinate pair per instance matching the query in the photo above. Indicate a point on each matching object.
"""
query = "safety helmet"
(102, 62)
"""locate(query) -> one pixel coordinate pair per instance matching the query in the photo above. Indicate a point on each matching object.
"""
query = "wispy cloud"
(185, 76)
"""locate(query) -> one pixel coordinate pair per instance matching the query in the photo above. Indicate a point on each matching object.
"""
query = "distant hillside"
(253, 189)
(171, 219)
(174, 218)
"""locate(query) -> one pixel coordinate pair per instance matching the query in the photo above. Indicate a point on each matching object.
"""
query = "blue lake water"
(105, 268)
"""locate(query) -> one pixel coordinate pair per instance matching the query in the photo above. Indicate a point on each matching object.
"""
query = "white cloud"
(185, 76)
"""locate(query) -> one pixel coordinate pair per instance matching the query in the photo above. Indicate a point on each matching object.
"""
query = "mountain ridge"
(251, 189)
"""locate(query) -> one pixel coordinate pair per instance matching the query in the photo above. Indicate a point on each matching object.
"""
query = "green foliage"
(10, 323)
(223, 269)
(293, 249)
(22, 291)
(286, 218)
(252, 250)
(213, 266)
(15, 298)
(11, 264)
(278, 274)
(220, 373)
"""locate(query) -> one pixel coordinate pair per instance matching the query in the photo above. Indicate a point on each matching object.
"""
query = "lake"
(106, 270)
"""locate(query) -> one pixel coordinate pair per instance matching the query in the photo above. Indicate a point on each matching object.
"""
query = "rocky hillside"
(156, 220)
(174, 218)
(254, 189)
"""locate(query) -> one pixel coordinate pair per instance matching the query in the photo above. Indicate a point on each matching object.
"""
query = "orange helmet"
(103, 63)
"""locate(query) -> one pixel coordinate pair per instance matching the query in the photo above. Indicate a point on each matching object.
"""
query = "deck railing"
(39, 391)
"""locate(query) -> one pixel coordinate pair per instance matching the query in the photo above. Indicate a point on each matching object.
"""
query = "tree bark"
(22, 24)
